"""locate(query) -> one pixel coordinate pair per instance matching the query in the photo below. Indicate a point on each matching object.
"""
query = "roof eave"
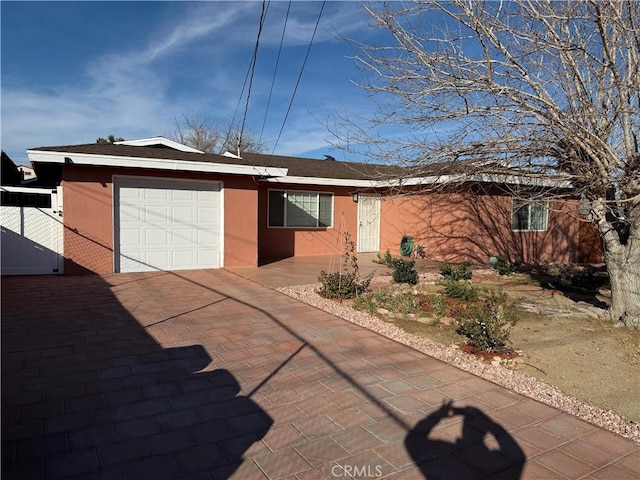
(335, 182)
(152, 163)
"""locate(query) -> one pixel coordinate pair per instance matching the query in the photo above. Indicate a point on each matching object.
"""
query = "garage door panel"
(156, 194)
(130, 193)
(156, 237)
(154, 259)
(205, 257)
(183, 237)
(130, 236)
(183, 195)
(183, 259)
(183, 215)
(156, 214)
(168, 224)
(207, 237)
(207, 215)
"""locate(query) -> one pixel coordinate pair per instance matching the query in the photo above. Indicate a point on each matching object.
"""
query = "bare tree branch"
(533, 87)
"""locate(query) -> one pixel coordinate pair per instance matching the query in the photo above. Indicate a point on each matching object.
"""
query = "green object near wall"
(406, 246)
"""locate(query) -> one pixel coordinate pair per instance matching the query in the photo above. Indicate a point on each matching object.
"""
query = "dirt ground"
(565, 342)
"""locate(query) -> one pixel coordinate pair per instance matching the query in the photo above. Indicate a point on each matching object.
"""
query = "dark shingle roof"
(297, 167)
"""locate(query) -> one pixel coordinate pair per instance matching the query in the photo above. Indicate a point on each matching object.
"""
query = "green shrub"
(487, 323)
(365, 303)
(461, 290)
(403, 271)
(504, 266)
(405, 302)
(387, 259)
(342, 285)
(453, 272)
(439, 304)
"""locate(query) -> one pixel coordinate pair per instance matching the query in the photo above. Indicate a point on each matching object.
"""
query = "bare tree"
(549, 90)
(200, 133)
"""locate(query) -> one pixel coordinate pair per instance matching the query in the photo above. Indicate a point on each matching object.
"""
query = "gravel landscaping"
(514, 380)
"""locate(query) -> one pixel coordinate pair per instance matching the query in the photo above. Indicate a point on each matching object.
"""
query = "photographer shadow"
(484, 447)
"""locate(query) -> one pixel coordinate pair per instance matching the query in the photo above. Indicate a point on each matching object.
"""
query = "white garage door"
(167, 224)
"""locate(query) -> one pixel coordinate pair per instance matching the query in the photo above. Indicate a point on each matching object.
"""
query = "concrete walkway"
(208, 375)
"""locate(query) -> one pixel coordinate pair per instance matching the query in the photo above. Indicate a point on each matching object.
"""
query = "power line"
(299, 76)
(273, 80)
(246, 77)
(265, 6)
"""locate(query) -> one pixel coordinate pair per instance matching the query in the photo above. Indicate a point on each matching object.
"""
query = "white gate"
(32, 231)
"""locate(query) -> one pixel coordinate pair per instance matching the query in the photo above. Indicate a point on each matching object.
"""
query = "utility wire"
(265, 7)
(273, 80)
(299, 76)
(246, 78)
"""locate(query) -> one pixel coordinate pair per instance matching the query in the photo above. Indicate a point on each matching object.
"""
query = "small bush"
(341, 285)
(504, 266)
(439, 304)
(487, 324)
(453, 272)
(365, 303)
(403, 271)
(387, 259)
(463, 291)
(403, 303)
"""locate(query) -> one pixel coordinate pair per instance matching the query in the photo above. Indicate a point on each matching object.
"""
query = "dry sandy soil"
(565, 343)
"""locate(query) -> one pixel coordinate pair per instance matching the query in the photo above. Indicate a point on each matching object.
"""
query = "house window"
(529, 215)
(296, 209)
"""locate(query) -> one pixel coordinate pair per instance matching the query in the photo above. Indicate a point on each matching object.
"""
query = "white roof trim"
(337, 182)
(152, 163)
(430, 180)
(147, 142)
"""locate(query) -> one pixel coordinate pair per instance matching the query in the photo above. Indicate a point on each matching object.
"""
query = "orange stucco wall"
(88, 216)
(277, 243)
(467, 226)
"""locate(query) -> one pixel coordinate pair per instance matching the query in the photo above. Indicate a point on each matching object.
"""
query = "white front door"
(368, 223)
(167, 224)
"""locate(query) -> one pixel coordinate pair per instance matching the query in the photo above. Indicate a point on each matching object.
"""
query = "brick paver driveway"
(208, 375)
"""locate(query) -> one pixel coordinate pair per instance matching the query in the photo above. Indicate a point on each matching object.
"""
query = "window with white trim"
(298, 209)
(529, 215)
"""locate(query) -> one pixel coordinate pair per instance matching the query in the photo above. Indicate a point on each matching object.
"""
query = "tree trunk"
(623, 265)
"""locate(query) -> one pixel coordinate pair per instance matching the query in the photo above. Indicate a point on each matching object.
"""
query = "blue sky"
(76, 71)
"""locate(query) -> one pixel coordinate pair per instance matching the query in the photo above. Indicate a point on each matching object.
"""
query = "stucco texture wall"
(88, 217)
(473, 226)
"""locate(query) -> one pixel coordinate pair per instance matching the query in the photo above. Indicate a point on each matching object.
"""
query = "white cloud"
(132, 93)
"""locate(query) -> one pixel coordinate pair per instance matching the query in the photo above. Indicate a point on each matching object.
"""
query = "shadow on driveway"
(172, 374)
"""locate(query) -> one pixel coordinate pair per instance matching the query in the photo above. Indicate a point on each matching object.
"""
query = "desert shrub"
(405, 302)
(403, 271)
(342, 285)
(387, 259)
(487, 324)
(504, 266)
(346, 283)
(456, 272)
(463, 291)
(398, 302)
(439, 304)
(365, 303)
